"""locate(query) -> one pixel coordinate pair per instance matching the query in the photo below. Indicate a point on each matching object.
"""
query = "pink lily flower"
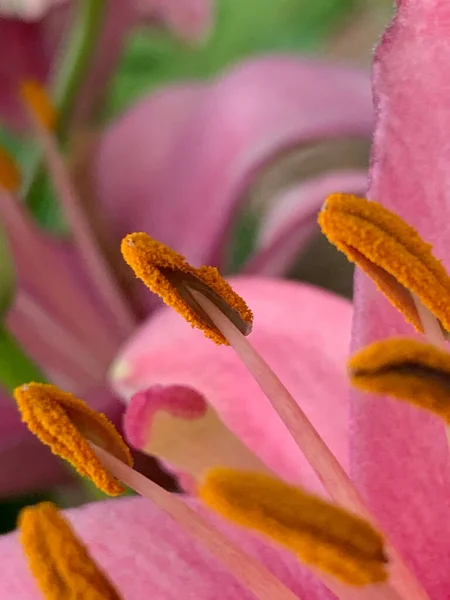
(398, 456)
(31, 35)
(197, 149)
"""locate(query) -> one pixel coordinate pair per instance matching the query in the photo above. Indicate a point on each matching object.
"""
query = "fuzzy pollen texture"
(405, 369)
(391, 252)
(321, 534)
(166, 273)
(59, 562)
(67, 424)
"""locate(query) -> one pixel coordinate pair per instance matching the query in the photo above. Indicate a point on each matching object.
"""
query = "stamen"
(249, 572)
(406, 369)
(322, 460)
(167, 274)
(37, 99)
(9, 172)
(66, 424)
(327, 468)
(58, 560)
(96, 263)
(320, 534)
(391, 252)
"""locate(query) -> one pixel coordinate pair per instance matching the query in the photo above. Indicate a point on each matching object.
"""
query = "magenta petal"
(214, 139)
(400, 456)
(146, 555)
(132, 161)
(26, 464)
(289, 225)
(28, 56)
(303, 334)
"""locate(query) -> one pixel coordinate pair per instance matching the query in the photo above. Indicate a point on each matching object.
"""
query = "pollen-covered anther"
(322, 535)
(391, 252)
(67, 425)
(39, 103)
(9, 172)
(166, 273)
(405, 369)
(58, 560)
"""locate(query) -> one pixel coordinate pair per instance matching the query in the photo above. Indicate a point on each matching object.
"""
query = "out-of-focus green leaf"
(7, 275)
(15, 366)
(11, 507)
(242, 28)
(41, 200)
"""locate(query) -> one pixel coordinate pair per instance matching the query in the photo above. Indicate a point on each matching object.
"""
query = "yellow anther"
(320, 534)
(391, 252)
(67, 425)
(405, 369)
(167, 274)
(39, 103)
(58, 560)
(9, 172)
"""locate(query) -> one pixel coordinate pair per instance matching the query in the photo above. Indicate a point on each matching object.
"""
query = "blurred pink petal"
(303, 334)
(146, 555)
(143, 140)
(400, 455)
(27, 465)
(223, 137)
(28, 56)
(293, 219)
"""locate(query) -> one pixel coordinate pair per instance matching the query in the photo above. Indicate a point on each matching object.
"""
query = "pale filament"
(248, 571)
(308, 440)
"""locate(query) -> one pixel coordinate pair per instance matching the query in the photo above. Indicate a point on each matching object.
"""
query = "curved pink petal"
(400, 455)
(303, 334)
(146, 555)
(289, 225)
(222, 136)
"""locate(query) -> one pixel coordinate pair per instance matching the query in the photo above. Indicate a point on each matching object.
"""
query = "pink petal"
(146, 555)
(289, 225)
(400, 455)
(223, 134)
(301, 331)
(141, 142)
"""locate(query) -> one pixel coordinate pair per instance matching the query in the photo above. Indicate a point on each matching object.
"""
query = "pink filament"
(308, 440)
(254, 576)
(249, 572)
